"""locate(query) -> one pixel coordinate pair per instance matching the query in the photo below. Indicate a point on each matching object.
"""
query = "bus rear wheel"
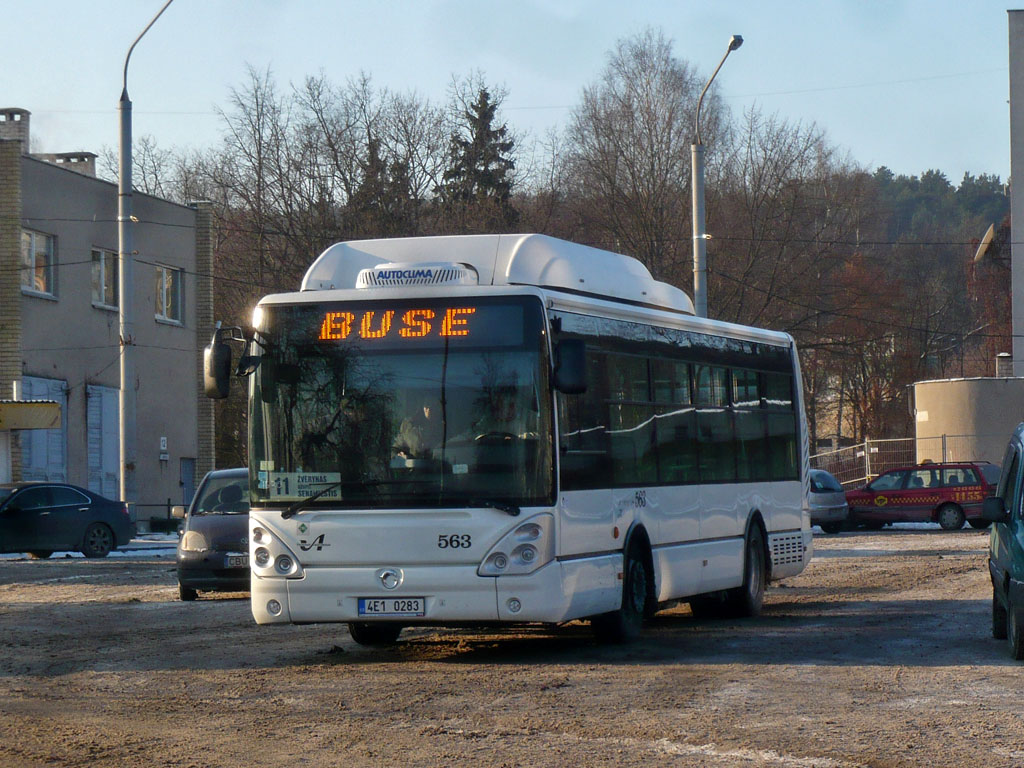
(374, 634)
(625, 624)
(747, 599)
(742, 601)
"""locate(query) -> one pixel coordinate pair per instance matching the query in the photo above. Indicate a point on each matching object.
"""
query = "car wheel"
(979, 524)
(98, 540)
(624, 625)
(950, 517)
(40, 554)
(998, 616)
(187, 594)
(374, 634)
(831, 527)
(1014, 630)
(874, 526)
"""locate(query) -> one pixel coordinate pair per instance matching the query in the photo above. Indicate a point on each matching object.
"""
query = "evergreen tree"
(476, 193)
(381, 205)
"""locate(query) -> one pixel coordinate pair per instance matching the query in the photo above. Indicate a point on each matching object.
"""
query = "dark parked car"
(827, 502)
(947, 494)
(213, 551)
(43, 518)
(1006, 548)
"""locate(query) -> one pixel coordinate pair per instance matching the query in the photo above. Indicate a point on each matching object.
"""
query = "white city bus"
(512, 428)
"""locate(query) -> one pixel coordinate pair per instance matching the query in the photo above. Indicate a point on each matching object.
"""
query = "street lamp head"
(735, 42)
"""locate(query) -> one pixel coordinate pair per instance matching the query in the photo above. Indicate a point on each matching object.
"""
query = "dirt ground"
(879, 654)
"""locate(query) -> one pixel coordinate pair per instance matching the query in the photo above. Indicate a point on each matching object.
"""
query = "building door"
(44, 451)
(188, 480)
(103, 426)
(5, 456)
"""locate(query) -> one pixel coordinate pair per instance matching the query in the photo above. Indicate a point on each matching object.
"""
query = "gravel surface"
(879, 654)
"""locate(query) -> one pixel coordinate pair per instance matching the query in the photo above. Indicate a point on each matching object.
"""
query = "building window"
(168, 294)
(104, 278)
(37, 263)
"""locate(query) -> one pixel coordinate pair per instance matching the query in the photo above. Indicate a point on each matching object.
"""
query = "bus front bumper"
(449, 595)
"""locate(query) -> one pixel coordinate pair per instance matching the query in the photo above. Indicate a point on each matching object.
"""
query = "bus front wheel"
(374, 634)
(624, 625)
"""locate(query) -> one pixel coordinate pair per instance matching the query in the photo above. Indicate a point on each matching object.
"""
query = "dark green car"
(1006, 548)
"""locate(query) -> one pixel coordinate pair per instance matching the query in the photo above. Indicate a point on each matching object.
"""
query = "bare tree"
(629, 153)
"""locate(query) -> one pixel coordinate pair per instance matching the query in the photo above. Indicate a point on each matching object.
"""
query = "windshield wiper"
(299, 505)
(508, 509)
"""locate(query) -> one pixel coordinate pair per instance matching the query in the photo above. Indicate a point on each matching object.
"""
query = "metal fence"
(857, 464)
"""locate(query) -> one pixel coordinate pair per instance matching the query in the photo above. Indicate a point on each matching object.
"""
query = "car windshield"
(890, 481)
(223, 496)
(823, 482)
(5, 492)
(429, 403)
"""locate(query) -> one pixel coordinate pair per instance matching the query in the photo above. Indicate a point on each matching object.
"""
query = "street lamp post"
(126, 284)
(700, 275)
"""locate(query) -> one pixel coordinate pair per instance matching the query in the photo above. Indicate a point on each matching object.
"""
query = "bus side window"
(583, 432)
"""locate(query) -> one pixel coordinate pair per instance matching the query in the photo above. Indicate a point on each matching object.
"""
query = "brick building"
(59, 331)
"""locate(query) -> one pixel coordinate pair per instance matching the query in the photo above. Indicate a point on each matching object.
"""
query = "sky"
(910, 84)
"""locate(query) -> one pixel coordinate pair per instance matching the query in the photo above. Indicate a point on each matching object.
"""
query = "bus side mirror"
(993, 509)
(571, 367)
(216, 368)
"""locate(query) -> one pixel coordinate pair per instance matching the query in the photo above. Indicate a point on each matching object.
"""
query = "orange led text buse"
(410, 324)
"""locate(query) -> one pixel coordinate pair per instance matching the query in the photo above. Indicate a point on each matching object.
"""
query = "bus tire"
(998, 616)
(374, 634)
(950, 517)
(746, 600)
(625, 624)
(831, 527)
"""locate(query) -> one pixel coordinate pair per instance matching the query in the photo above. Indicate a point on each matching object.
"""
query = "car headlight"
(522, 550)
(193, 541)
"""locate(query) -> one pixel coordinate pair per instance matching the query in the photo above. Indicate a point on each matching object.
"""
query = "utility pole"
(126, 286)
(700, 274)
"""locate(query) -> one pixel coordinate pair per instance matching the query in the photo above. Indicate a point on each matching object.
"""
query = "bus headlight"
(269, 556)
(522, 550)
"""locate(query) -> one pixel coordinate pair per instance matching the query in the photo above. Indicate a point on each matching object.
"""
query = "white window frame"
(28, 263)
(100, 265)
(174, 303)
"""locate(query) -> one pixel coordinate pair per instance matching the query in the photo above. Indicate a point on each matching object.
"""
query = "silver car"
(827, 502)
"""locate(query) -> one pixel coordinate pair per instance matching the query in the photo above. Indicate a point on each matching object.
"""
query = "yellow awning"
(40, 414)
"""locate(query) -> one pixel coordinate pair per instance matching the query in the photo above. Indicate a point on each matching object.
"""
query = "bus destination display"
(408, 326)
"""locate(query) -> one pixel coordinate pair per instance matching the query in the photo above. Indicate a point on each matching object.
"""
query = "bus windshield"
(403, 403)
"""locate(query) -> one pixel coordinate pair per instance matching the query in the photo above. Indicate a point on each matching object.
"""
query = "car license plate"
(391, 606)
(238, 561)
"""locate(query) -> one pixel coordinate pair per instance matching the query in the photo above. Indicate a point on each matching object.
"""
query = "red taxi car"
(947, 494)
